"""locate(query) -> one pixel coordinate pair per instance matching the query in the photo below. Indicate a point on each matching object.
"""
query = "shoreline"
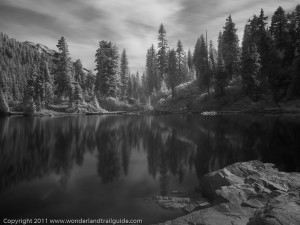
(267, 111)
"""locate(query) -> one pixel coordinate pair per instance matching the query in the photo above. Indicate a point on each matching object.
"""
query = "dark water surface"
(105, 166)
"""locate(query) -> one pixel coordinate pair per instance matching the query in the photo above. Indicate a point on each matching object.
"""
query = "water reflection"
(174, 145)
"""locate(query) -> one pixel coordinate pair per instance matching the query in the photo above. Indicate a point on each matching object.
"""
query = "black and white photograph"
(154, 112)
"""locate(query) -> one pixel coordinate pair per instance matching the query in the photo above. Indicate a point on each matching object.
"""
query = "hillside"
(190, 99)
(16, 60)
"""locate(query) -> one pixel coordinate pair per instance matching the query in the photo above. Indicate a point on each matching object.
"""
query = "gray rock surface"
(248, 193)
(282, 209)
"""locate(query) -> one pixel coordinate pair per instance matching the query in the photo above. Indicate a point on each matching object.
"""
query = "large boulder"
(250, 193)
(248, 176)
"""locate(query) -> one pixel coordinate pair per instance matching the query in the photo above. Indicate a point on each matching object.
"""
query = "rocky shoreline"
(248, 193)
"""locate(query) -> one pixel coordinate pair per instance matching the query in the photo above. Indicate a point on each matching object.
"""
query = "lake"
(109, 166)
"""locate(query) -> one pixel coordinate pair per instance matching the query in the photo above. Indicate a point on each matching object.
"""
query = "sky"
(130, 24)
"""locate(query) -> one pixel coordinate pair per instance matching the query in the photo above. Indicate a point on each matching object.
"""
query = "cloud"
(131, 24)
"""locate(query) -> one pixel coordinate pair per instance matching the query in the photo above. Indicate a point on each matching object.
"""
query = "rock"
(172, 202)
(196, 206)
(223, 214)
(255, 173)
(281, 209)
(250, 193)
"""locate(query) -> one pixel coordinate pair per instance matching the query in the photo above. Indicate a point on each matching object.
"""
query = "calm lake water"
(105, 166)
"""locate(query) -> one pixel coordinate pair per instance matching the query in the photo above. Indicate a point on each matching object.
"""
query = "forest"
(264, 68)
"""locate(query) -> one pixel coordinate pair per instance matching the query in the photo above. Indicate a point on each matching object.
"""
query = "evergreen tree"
(48, 89)
(151, 70)
(3, 104)
(190, 60)
(212, 56)
(172, 71)
(64, 75)
(77, 94)
(129, 89)
(30, 106)
(163, 87)
(162, 58)
(135, 85)
(230, 46)
(295, 68)
(180, 54)
(279, 29)
(201, 63)
(90, 83)
(30, 92)
(124, 73)
(190, 65)
(196, 58)
(251, 67)
(80, 75)
(221, 80)
(280, 75)
(107, 69)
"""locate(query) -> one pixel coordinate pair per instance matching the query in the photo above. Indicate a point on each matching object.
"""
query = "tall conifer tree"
(107, 68)
(230, 46)
(64, 75)
(162, 58)
(124, 73)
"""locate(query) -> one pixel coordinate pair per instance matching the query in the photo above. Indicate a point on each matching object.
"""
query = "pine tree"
(230, 46)
(162, 58)
(124, 73)
(95, 104)
(221, 80)
(64, 75)
(48, 89)
(197, 58)
(129, 89)
(77, 95)
(279, 29)
(80, 75)
(135, 85)
(90, 83)
(3, 104)
(172, 71)
(295, 68)
(151, 70)
(107, 68)
(30, 92)
(251, 67)
(190, 65)
(190, 60)
(163, 87)
(212, 56)
(201, 63)
(180, 54)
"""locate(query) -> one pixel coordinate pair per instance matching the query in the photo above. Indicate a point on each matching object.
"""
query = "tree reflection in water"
(34, 147)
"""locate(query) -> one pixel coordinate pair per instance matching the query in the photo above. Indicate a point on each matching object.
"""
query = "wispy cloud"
(131, 24)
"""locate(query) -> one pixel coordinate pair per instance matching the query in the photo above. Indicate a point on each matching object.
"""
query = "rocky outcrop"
(282, 209)
(251, 193)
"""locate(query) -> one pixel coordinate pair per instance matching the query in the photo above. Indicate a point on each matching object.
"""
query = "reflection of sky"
(132, 24)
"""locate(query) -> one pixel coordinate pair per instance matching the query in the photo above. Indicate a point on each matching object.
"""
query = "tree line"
(266, 64)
